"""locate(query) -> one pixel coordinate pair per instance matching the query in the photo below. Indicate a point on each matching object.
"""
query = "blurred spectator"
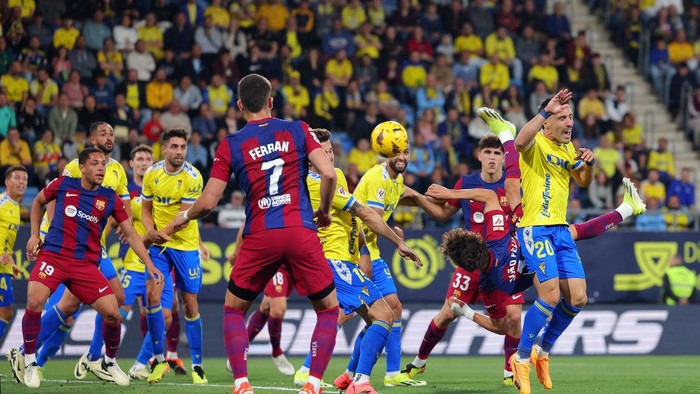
(446, 48)
(591, 131)
(453, 17)
(15, 152)
(354, 104)
(179, 37)
(660, 68)
(111, 61)
(591, 104)
(534, 16)
(193, 12)
(501, 45)
(616, 105)
(159, 92)
(29, 122)
(457, 131)
(430, 96)
(676, 216)
(404, 19)
(72, 147)
(122, 114)
(662, 160)
(393, 46)
(196, 152)
(8, 118)
(596, 74)
(75, 90)
(608, 158)
(558, 23)
(219, 14)
(274, 13)
(205, 123)
(46, 155)
(652, 188)
(683, 189)
(265, 40)
(442, 70)
(339, 69)
(235, 41)
(630, 165)
(421, 164)
(244, 11)
(305, 19)
(338, 39)
(446, 159)
(362, 156)
(218, 96)
(232, 215)
(153, 128)
(33, 57)
(578, 48)
(544, 71)
(104, 94)
(189, 96)
(66, 35)
(506, 17)
(174, 118)
(679, 283)
(89, 113)
(44, 90)
(600, 192)
(210, 39)
(15, 85)
(63, 119)
(7, 56)
(61, 65)
(527, 48)
(682, 77)
(125, 35)
(419, 43)
(96, 31)
(512, 107)
(367, 43)
(427, 127)
(681, 51)
(632, 133)
(472, 44)
(132, 90)
(538, 95)
(141, 61)
(653, 219)
(366, 73)
(40, 29)
(431, 23)
(482, 17)
(363, 126)
(494, 76)
(353, 15)
(82, 60)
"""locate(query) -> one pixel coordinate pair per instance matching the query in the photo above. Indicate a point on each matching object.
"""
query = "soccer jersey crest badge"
(100, 204)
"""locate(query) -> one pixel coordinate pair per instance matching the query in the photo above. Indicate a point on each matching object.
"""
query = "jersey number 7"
(276, 166)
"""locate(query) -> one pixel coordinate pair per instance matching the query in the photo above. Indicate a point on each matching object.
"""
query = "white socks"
(239, 381)
(418, 362)
(625, 210)
(172, 355)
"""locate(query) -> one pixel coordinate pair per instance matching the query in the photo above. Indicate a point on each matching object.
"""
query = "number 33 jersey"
(269, 158)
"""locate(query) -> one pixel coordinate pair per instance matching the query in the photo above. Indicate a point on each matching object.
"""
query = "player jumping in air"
(70, 255)
(169, 187)
(15, 186)
(270, 159)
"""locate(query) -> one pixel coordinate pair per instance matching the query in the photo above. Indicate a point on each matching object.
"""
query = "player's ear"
(239, 104)
(270, 103)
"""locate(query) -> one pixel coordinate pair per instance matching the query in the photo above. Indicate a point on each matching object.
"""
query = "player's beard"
(392, 164)
(104, 148)
(175, 162)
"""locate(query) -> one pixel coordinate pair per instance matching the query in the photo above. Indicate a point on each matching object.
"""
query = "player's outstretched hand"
(6, 258)
(559, 102)
(180, 222)
(204, 251)
(158, 237)
(33, 247)
(407, 253)
(365, 265)
(438, 192)
(586, 155)
(323, 220)
(155, 274)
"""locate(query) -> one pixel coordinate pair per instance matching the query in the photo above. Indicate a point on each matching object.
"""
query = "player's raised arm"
(526, 136)
(438, 210)
(584, 176)
(378, 226)
(486, 196)
(325, 169)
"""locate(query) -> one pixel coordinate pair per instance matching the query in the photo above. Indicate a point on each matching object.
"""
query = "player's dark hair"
(173, 133)
(95, 125)
(254, 90)
(141, 148)
(13, 169)
(84, 154)
(323, 135)
(490, 141)
(466, 249)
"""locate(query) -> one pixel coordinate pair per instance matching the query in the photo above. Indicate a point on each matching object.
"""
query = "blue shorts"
(106, 266)
(381, 276)
(134, 284)
(7, 295)
(186, 263)
(550, 252)
(353, 287)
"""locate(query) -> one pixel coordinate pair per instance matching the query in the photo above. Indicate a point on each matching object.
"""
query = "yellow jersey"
(132, 262)
(378, 190)
(168, 191)
(15, 88)
(9, 224)
(340, 239)
(546, 167)
(115, 179)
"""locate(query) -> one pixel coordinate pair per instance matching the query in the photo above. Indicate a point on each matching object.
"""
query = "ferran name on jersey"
(264, 150)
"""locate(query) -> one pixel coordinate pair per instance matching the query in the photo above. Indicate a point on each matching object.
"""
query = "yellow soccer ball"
(389, 139)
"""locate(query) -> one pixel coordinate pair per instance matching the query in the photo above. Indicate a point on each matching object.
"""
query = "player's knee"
(397, 310)
(35, 304)
(112, 317)
(70, 321)
(278, 312)
(579, 301)
(444, 317)
(383, 312)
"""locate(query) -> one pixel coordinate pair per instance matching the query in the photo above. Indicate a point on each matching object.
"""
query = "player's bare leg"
(511, 339)
(108, 369)
(435, 332)
(277, 310)
(37, 294)
(5, 316)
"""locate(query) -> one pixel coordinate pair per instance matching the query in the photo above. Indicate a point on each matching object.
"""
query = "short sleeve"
(194, 189)
(119, 212)
(458, 186)
(342, 199)
(376, 192)
(123, 188)
(51, 189)
(221, 168)
(310, 138)
(72, 170)
(147, 189)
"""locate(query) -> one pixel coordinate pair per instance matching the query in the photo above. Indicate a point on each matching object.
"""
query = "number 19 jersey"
(269, 158)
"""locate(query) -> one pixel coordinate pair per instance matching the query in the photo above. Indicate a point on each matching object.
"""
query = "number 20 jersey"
(269, 158)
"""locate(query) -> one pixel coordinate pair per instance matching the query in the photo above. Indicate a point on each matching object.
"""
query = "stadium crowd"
(149, 65)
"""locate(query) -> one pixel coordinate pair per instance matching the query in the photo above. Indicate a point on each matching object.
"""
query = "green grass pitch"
(638, 374)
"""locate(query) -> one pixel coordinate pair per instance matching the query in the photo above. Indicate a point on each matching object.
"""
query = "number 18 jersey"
(269, 158)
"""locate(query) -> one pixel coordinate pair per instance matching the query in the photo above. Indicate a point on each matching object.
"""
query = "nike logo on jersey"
(103, 289)
(515, 297)
(71, 194)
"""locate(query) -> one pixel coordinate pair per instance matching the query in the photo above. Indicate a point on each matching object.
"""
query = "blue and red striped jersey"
(269, 158)
(79, 218)
(473, 211)
(505, 268)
